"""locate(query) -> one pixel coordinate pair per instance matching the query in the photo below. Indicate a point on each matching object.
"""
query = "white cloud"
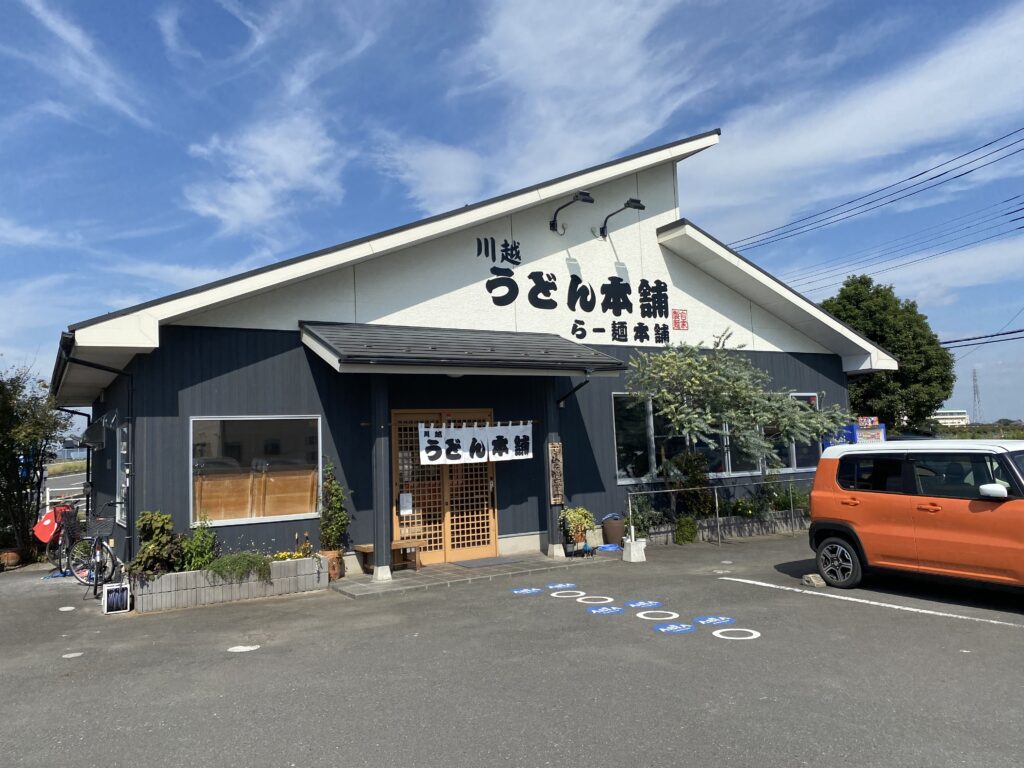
(262, 171)
(579, 87)
(790, 153)
(13, 233)
(77, 64)
(438, 177)
(167, 19)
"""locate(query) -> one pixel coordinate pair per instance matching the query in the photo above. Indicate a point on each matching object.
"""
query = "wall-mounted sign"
(606, 313)
(867, 421)
(556, 476)
(464, 443)
(405, 503)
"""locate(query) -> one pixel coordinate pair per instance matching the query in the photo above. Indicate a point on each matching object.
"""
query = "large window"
(254, 469)
(641, 433)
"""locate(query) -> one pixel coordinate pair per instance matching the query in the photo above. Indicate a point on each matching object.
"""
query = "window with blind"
(254, 469)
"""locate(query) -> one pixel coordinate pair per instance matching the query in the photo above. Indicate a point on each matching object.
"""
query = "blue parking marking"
(643, 604)
(563, 585)
(714, 621)
(605, 610)
(674, 629)
(527, 591)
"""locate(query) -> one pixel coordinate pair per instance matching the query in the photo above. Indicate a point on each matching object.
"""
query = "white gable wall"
(441, 283)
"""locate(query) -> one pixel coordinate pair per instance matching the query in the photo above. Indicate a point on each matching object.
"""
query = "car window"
(957, 475)
(1018, 459)
(870, 473)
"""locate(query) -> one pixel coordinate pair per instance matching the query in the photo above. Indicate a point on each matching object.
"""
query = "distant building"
(951, 417)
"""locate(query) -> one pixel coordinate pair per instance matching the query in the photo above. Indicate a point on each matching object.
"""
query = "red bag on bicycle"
(44, 528)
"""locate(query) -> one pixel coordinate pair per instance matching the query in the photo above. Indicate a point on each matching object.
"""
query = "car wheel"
(838, 563)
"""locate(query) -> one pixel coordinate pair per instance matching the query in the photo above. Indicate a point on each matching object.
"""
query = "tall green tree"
(29, 427)
(697, 389)
(905, 398)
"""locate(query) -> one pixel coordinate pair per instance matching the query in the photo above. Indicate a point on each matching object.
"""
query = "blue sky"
(149, 147)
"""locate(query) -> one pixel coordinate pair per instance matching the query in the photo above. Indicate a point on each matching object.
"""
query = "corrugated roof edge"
(395, 230)
(687, 223)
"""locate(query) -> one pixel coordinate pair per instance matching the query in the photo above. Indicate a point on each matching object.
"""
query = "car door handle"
(929, 508)
(850, 502)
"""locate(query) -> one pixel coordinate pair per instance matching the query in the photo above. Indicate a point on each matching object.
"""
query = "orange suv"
(946, 507)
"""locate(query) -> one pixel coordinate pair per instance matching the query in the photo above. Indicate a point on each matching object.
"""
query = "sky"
(146, 148)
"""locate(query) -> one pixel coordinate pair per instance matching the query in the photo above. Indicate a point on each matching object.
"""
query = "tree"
(29, 425)
(909, 396)
(697, 390)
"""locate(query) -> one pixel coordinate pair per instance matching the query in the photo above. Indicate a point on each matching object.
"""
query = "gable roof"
(688, 241)
(112, 339)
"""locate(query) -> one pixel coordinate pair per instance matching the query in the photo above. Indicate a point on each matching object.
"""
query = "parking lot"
(903, 672)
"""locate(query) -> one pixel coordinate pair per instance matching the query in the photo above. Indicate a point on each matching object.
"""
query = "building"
(951, 417)
(516, 315)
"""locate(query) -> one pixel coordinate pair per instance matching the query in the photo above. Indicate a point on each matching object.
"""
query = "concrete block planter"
(194, 588)
(736, 527)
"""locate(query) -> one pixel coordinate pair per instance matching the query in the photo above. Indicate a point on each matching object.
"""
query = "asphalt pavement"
(903, 672)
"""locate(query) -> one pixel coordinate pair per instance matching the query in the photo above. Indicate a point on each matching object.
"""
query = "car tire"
(838, 563)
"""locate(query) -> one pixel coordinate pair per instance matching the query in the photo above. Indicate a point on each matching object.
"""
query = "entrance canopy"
(362, 348)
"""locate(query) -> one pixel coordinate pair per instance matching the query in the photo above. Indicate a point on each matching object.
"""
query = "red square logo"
(679, 321)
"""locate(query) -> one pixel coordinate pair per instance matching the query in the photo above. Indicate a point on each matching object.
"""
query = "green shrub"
(160, 551)
(690, 471)
(645, 516)
(686, 530)
(200, 548)
(743, 507)
(576, 521)
(334, 519)
(238, 566)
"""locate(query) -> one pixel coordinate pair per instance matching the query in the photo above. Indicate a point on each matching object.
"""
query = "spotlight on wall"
(578, 197)
(632, 202)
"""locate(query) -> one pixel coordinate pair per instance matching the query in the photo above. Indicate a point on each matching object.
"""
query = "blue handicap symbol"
(605, 610)
(526, 590)
(713, 621)
(644, 604)
(566, 585)
(674, 629)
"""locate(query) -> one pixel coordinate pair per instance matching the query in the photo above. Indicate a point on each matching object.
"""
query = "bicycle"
(91, 560)
(65, 534)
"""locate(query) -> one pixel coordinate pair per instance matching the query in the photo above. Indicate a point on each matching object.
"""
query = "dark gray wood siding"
(200, 371)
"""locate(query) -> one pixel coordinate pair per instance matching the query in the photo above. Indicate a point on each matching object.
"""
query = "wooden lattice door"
(452, 504)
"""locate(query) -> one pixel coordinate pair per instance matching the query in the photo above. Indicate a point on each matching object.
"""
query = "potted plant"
(10, 556)
(576, 522)
(333, 523)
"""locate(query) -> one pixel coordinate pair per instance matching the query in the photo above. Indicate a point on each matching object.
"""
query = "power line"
(871, 194)
(880, 259)
(985, 336)
(1003, 328)
(880, 250)
(990, 341)
(923, 258)
(884, 243)
(836, 218)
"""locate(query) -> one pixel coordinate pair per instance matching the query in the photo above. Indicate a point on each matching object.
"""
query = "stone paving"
(359, 585)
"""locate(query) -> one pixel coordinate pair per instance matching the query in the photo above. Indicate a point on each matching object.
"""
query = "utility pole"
(978, 414)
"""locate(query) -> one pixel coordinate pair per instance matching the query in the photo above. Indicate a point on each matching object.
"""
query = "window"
(247, 469)
(632, 445)
(806, 455)
(870, 473)
(123, 472)
(957, 475)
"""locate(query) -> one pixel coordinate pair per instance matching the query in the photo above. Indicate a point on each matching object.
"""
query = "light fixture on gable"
(632, 202)
(579, 197)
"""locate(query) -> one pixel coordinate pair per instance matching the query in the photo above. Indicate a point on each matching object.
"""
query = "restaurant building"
(464, 374)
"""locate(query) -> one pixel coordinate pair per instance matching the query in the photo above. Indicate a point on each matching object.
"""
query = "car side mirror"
(992, 491)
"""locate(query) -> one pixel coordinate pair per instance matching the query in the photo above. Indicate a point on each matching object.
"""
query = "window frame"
(315, 514)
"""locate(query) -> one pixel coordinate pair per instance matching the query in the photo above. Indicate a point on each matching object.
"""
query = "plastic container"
(613, 527)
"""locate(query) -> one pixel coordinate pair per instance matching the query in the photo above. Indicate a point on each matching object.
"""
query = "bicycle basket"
(69, 521)
(100, 527)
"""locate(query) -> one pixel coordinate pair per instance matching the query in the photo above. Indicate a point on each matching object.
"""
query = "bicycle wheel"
(80, 560)
(105, 564)
(55, 551)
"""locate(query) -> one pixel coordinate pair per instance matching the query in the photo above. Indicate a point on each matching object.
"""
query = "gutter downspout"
(130, 512)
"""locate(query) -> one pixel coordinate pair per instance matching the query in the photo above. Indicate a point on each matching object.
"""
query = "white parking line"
(876, 603)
